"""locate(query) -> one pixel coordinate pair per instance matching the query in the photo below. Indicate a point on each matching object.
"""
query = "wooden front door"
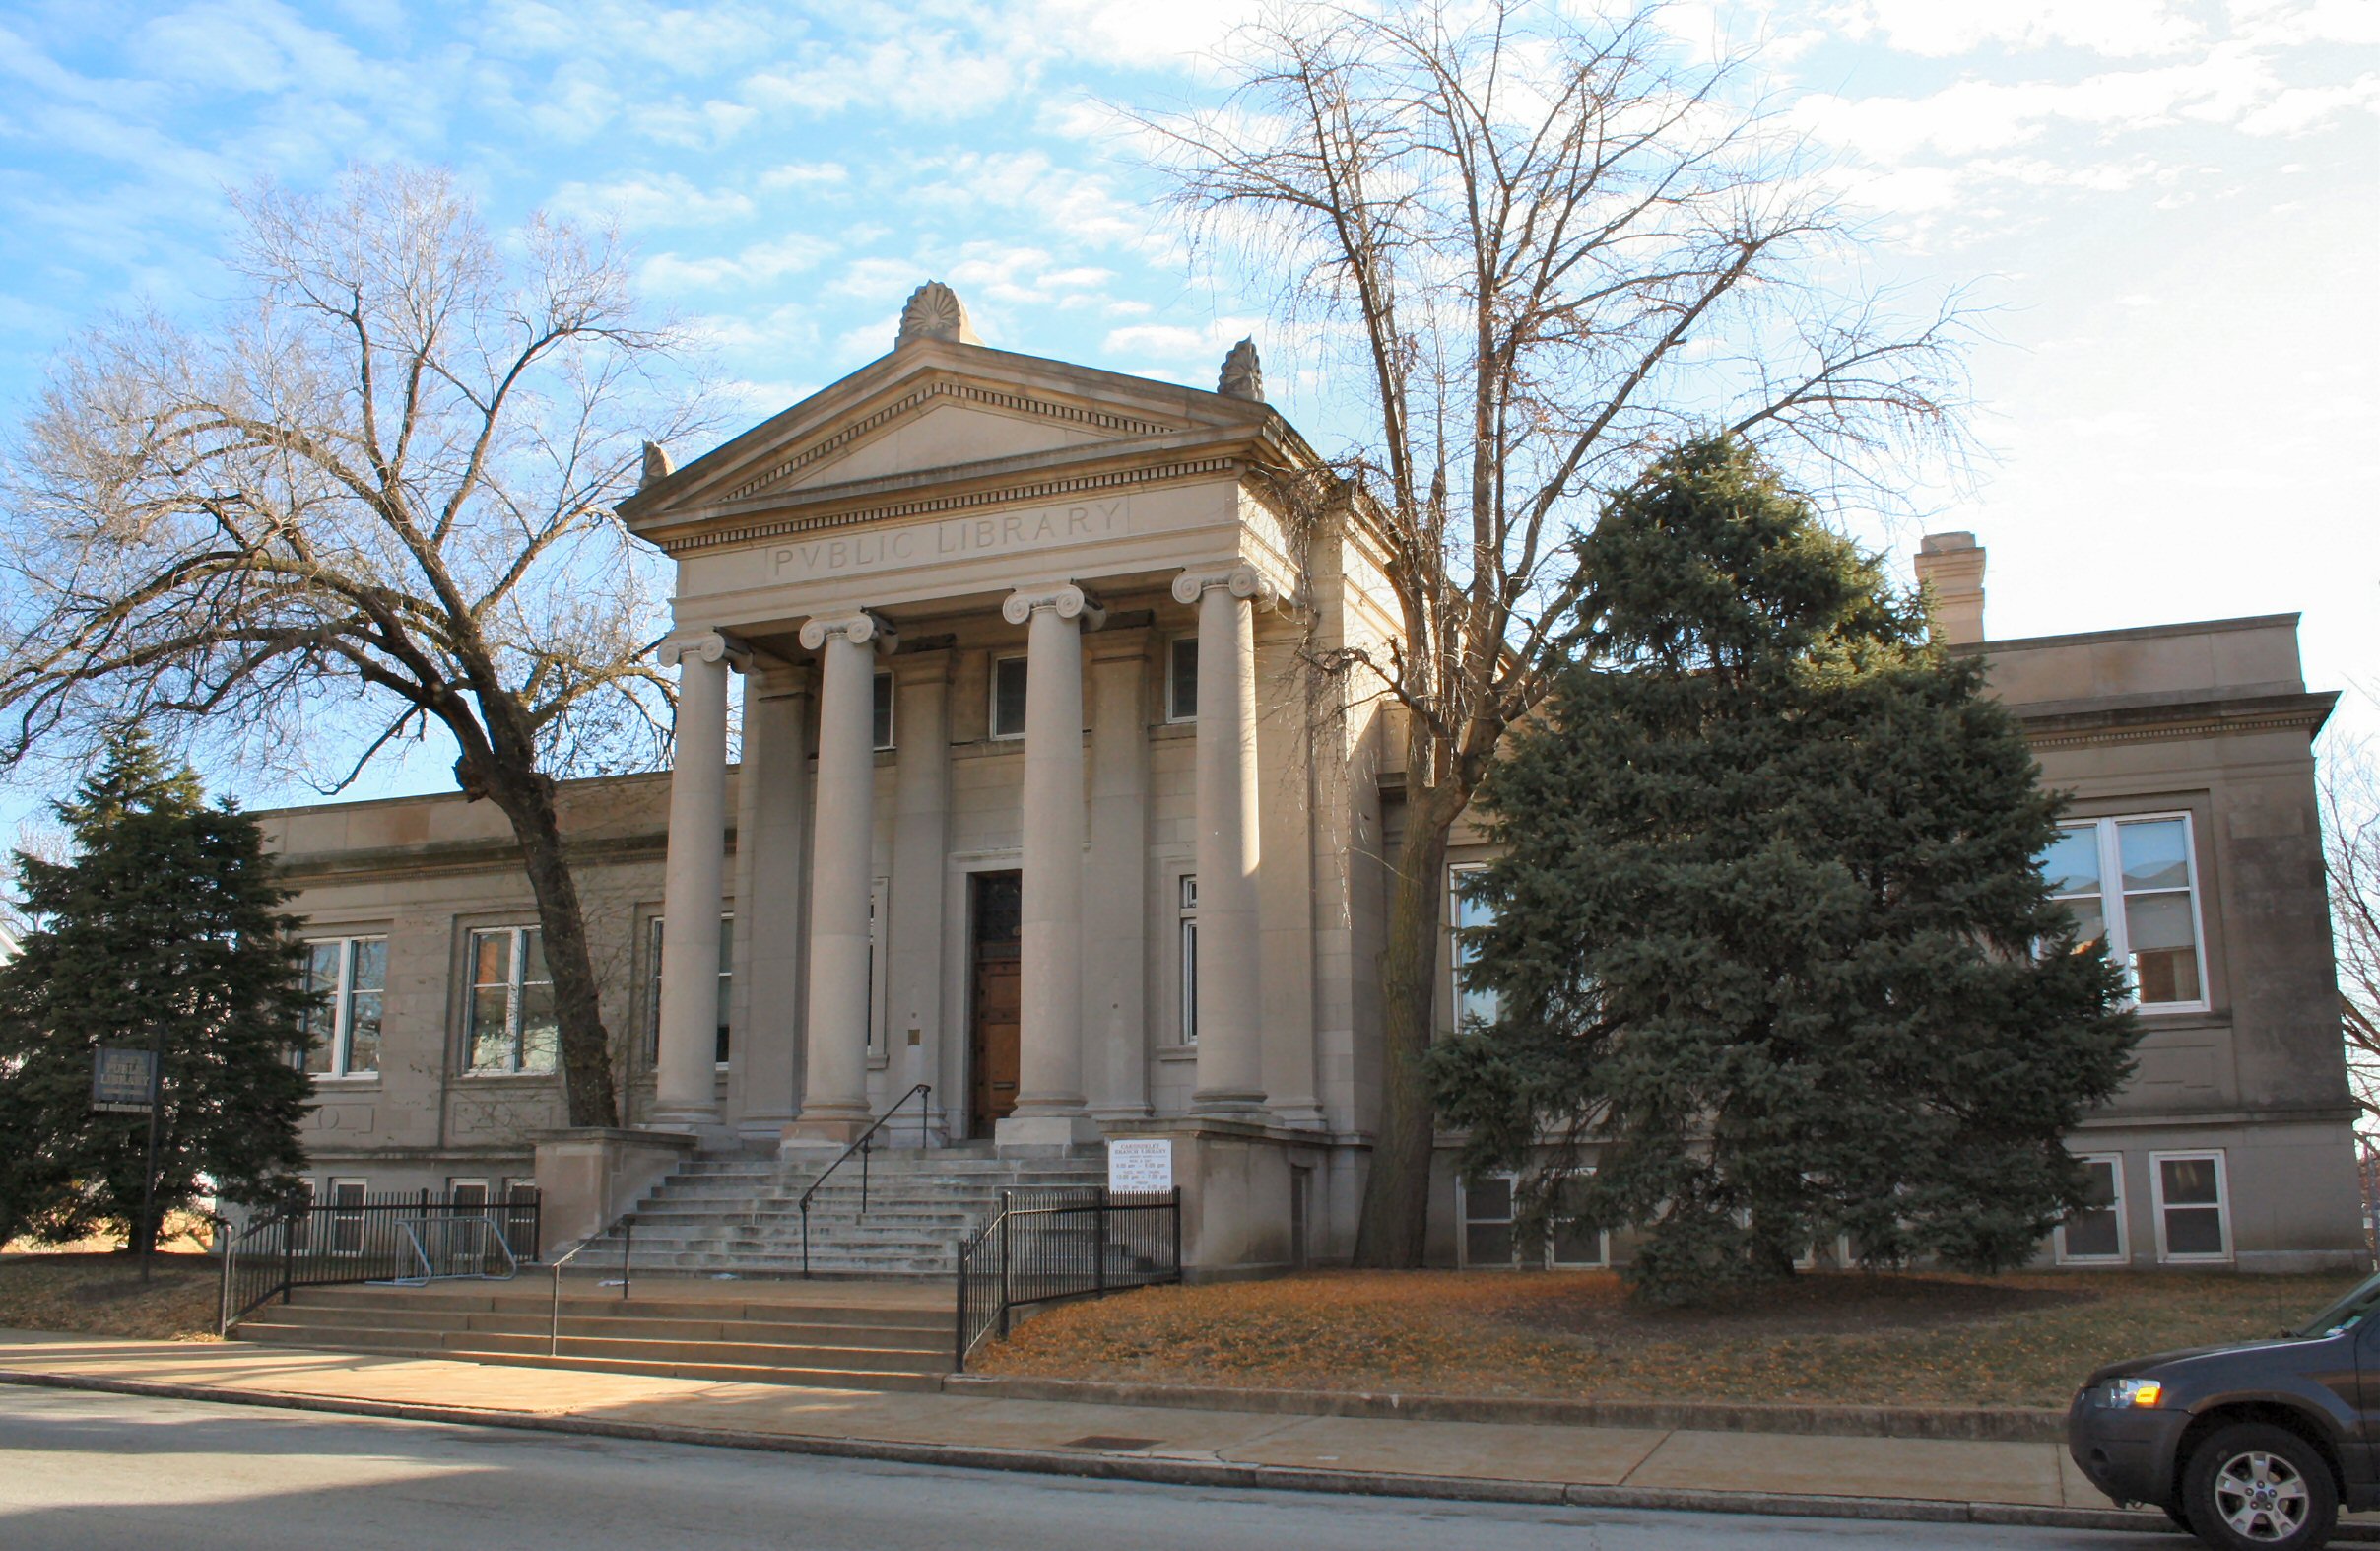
(992, 1059)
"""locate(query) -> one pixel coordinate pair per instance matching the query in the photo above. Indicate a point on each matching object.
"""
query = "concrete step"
(471, 1329)
(876, 1378)
(412, 1302)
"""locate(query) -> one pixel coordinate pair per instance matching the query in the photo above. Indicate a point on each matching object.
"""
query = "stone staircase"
(765, 1333)
(739, 1216)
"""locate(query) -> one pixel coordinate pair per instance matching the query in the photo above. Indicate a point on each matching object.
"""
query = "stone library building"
(1034, 809)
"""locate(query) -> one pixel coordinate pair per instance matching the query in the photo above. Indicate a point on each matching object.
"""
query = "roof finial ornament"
(934, 311)
(1242, 377)
(657, 465)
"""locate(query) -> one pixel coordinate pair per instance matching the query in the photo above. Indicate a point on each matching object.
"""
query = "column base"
(1302, 1115)
(707, 1127)
(1044, 1134)
(823, 1128)
(1234, 1104)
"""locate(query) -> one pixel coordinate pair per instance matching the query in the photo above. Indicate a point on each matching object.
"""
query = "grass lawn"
(99, 1293)
(1845, 1337)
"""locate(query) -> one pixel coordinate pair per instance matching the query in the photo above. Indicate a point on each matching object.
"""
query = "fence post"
(1177, 1233)
(289, 1259)
(1099, 1247)
(1004, 1229)
(958, 1326)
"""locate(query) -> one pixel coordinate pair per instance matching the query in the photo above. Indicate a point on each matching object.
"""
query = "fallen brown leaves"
(103, 1295)
(1921, 1339)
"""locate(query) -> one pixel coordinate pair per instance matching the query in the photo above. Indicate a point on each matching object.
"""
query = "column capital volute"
(866, 628)
(1064, 599)
(1240, 579)
(708, 646)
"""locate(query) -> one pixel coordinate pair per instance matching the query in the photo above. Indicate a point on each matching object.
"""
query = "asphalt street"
(98, 1472)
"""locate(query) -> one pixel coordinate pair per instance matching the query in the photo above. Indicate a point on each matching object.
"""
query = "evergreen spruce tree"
(1771, 954)
(165, 929)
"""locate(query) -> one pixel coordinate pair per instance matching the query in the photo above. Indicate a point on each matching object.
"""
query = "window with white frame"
(2134, 882)
(1185, 936)
(652, 988)
(512, 1027)
(2192, 1206)
(346, 976)
(1491, 1239)
(1008, 697)
(1472, 1003)
(1181, 679)
(883, 711)
(467, 1194)
(2093, 1232)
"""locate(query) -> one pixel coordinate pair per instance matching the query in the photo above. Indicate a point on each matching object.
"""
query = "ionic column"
(834, 1095)
(685, 1082)
(1230, 1056)
(1049, 1086)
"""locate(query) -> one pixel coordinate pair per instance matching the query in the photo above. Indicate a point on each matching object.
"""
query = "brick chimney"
(1952, 564)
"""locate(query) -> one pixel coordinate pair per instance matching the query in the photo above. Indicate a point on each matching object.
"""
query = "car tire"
(2254, 1487)
(2181, 1520)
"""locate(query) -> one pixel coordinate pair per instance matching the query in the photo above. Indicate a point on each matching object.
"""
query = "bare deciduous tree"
(1538, 249)
(374, 497)
(2351, 841)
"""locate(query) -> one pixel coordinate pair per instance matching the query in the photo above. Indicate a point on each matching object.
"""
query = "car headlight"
(2143, 1392)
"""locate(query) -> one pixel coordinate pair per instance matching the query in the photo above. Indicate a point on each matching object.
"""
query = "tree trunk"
(1393, 1229)
(527, 799)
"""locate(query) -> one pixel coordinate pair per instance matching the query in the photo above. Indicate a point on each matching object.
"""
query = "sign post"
(127, 1082)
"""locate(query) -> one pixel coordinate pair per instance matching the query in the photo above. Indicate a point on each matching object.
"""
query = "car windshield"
(2348, 1313)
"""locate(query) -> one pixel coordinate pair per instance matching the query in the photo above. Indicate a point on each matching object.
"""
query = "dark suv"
(2250, 1446)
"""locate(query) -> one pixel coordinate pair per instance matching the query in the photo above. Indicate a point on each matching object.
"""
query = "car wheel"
(2252, 1487)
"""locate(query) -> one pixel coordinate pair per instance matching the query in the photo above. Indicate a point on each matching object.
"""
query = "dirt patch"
(102, 1294)
(1839, 1338)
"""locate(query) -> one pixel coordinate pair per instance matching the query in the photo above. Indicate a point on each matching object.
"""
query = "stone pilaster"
(1115, 882)
(913, 944)
(771, 862)
(1230, 1057)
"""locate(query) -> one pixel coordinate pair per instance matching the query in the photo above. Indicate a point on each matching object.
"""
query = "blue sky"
(2171, 208)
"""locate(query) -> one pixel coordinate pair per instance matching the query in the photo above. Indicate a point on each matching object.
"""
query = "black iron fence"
(1063, 1242)
(386, 1237)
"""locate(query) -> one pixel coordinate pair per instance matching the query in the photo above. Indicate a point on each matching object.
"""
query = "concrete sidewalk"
(1931, 1479)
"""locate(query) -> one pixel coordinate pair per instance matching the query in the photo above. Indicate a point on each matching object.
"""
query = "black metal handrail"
(1062, 1242)
(863, 1144)
(376, 1237)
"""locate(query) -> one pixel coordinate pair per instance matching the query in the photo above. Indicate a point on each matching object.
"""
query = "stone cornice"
(2076, 725)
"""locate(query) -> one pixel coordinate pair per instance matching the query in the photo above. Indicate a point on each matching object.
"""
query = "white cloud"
(2228, 82)
(2301, 108)
(805, 174)
(1938, 28)
(643, 202)
(758, 264)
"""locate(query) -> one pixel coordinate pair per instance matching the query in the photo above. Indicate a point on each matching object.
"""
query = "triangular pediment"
(927, 408)
(943, 424)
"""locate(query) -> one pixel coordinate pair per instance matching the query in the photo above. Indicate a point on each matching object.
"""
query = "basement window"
(2094, 1235)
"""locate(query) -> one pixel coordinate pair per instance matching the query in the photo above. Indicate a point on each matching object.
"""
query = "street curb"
(1976, 1424)
(1163, 1471)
